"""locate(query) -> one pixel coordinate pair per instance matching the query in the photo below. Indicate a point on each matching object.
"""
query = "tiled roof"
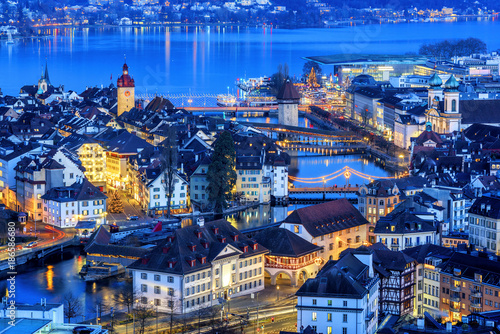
(486, 206)
(404, 222)
(288, 92)
(127, 143)
(470, 265)
(79, 191)
(193, 243)
(346, 277)
(325, 218)
(283, 242)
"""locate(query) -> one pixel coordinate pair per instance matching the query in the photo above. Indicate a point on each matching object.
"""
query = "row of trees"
(450, 48)
(141, 313)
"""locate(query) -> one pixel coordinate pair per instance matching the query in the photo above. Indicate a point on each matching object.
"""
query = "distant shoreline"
(336, 24)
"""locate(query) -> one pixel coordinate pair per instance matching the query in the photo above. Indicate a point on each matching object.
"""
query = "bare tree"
(142, 313)
(125, 296)
(98, 308)
(168, 160)
(72, 306)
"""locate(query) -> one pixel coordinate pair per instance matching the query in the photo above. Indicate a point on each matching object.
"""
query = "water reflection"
(49, 277)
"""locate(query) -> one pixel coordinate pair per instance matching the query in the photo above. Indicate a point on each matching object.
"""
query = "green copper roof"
(435, 81)
(451, 83)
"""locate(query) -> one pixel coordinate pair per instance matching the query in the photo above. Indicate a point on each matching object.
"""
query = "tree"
(125, 296)
(72, 306)
(115, 204)
(168, 161)
(306, 69)
(221, 173)
(142, 313)
(279, 78)
(311, 80)
(448, 49)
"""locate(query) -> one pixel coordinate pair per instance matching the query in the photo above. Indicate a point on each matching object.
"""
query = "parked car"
(133, 218)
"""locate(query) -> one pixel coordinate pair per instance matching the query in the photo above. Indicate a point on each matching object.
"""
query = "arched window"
(454, 105)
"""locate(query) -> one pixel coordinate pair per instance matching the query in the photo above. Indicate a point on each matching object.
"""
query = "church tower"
(288, 105)
(435, 91)
(125, 92)
(44, 82)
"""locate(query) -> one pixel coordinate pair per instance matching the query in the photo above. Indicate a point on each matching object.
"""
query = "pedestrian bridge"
(323, 190)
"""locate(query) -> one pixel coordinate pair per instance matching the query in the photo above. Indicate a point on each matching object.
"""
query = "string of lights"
(346, 171)
(319, 177)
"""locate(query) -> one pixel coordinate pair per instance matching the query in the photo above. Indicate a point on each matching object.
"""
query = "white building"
(197, 265)
(10, 155)
(484, 223)
(343, 298)
(66, 206)
(157, 194)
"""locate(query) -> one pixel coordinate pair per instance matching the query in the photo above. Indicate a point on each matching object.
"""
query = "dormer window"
(170, 238)
(192, 248)
(145, 260)
(198, 234)
(244, 249)
(235, 237)
(166, 249)
(192, 262)
(216, 230)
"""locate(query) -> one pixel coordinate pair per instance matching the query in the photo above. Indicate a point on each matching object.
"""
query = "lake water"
(207, 60)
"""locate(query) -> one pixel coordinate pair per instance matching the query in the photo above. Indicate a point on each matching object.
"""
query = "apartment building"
(334, 226)
(197, 265)
(343, 297)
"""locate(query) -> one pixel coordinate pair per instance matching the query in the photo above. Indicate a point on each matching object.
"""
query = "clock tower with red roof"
(125, 91)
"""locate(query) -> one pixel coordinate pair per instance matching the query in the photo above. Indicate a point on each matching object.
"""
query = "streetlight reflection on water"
(49, 277)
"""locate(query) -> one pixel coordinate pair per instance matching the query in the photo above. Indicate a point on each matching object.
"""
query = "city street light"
(277, 292)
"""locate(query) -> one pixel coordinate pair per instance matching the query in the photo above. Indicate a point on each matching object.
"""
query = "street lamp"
(324, 190)
(277, 292)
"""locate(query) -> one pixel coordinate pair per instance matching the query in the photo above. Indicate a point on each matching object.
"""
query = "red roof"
(125, 80)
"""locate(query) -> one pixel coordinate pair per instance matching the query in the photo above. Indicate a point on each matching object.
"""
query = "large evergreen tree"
(115, 204)
(221, 173)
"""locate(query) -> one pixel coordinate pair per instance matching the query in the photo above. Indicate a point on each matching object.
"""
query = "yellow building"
(93, 158)
(125, 92)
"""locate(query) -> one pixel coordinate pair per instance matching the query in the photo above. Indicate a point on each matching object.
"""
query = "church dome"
(451, 83)
(435, 81)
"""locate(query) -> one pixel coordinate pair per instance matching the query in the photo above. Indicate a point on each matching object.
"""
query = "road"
(47, 236)
(130, 208)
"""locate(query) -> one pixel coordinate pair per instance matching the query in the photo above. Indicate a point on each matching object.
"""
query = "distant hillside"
(399, 5)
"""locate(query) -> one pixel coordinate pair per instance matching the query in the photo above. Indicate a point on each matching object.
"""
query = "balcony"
(455, 298)
(369, 316)
(476, 294)
(476, 304)
(455, 288)
(453, 309)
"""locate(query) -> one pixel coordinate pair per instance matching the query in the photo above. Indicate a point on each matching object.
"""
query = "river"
(199, 60)
(207, 60)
